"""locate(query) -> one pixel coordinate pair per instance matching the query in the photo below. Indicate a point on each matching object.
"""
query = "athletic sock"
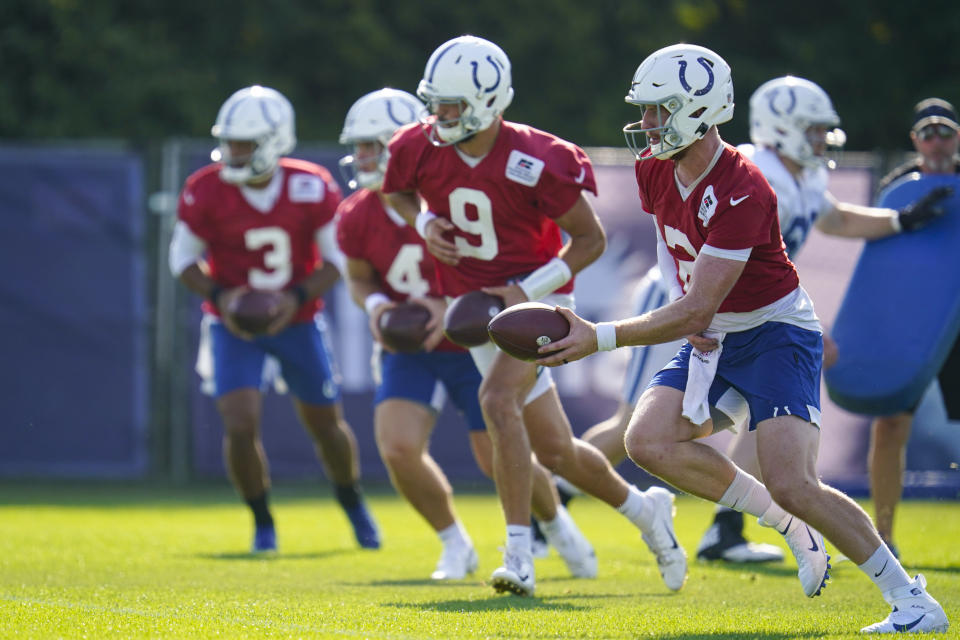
(348, 495)
(638, 509)
(518, 538)
(746, 493)
(729, 520)
(455, 536)
(557, 524)
(261, 511)
(885, 570)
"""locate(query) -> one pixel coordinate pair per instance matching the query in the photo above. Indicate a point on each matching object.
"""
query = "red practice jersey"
(275, 249)
(732, 207)
(397, 253)
(503, 209)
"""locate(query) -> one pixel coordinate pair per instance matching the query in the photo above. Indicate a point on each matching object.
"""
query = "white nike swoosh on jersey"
(734, 203)
(583, 174)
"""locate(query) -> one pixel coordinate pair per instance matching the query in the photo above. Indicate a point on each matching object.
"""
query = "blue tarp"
(74, 374)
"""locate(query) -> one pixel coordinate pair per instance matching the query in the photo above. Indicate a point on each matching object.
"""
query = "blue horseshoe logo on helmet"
(790, 107)
(683, 76)
(396, 120)
(476, 80)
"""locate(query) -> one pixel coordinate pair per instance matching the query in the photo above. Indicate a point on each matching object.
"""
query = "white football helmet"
(374, 118)
(470, 70)
(694, 86)
(256, 114)
(781, 112)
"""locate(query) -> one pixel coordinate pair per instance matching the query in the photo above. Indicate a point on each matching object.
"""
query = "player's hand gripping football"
(917, 214)
(289, 304)
(579, 343)
(374, 322)
(438, 243)
(437, 307)
(224, 301)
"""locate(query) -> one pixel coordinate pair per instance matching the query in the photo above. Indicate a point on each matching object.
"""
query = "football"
(465, 322)
(254, 310)
(523, 328)
(403, 328)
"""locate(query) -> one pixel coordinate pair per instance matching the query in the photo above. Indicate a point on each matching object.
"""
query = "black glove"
(915, 215)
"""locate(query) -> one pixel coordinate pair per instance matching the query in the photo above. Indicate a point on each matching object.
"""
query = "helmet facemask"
(362, 169)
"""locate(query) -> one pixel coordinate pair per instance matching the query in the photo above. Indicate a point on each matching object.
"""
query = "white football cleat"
(456, 562)
(571, 544)
(914, 611)
(671, 558)
(516, 574)
(813, 562)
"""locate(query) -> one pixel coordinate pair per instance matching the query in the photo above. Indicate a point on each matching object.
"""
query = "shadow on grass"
(268, 557)
(493, 603)
(732, 635)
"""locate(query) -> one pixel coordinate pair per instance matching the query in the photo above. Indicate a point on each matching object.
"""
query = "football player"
(750, 327)
(387, 262)
(254, 220)
(498, 195)
(792, 122)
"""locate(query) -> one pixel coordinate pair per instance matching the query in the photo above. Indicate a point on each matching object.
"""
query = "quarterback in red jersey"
(387, 262)
(499, 194)
(254, 220)
(751, 330)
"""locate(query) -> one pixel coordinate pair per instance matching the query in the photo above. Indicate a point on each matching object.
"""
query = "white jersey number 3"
(482, 226)
(277, 258)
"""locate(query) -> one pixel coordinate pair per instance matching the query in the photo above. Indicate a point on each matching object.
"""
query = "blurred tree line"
(145, 70)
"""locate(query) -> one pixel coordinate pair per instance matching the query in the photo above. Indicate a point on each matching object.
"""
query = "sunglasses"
(939, 130)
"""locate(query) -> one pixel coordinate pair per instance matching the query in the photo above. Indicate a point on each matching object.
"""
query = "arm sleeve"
(668, 269)
(327, 241)
(185, 248)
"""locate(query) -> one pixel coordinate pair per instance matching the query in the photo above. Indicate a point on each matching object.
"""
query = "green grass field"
(111, 561)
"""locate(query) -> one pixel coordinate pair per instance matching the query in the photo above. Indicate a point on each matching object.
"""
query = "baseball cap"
(934, 111)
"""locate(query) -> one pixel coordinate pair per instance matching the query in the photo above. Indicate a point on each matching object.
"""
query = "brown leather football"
(523, 328)
(403, 328)
(254, 310)
(465, 322)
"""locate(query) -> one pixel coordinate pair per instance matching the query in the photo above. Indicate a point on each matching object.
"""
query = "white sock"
(746, 493)
(519, 538)
(885, 570)
(455, 535)
(637, 509)
(557, 524)
(775, 516)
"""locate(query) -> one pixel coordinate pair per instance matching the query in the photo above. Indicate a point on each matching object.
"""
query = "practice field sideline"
(105, 561)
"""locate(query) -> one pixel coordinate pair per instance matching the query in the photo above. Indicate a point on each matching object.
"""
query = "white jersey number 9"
(482, 226)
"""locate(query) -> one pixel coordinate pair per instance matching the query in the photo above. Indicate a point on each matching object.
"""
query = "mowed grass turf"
(111, 561)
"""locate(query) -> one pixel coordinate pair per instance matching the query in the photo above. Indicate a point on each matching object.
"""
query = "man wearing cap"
(936, 137)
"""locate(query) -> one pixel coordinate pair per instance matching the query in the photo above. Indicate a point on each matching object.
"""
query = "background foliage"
(142, 70)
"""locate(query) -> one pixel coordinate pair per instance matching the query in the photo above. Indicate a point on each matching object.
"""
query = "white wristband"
(895, 222)
(423, 219)
(546, 279)
(606, 336)
(373, 301)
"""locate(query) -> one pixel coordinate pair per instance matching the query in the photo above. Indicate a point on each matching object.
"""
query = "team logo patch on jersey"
(524, 168)
(708, 206)
(305, 188)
